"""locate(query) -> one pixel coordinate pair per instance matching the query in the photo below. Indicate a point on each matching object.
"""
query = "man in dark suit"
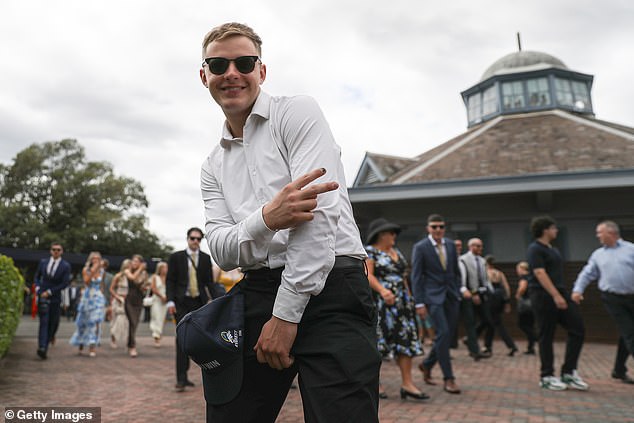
(51, 277)
(436, 287)
(189, 286)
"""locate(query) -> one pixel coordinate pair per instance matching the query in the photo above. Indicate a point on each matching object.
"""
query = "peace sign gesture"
(295, 203)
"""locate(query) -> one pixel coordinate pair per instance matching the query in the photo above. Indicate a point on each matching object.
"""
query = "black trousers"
(620, 369)
(483, 313)
(335, 354)
(548, 317)
(526, 323)
(182, 360)
(468, 318)
(497, 309)
(621, 308)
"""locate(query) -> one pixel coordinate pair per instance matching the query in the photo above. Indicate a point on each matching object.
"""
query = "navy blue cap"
(213, 337)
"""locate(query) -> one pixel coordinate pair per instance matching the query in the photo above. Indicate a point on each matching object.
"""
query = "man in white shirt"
(308, 306)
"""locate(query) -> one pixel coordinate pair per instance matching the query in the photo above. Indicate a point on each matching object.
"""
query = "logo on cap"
(231, 338)
(211, 365)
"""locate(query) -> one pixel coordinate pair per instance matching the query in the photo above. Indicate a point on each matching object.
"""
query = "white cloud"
(122, 77)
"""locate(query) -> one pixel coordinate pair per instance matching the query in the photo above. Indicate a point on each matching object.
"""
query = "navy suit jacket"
(55, 283)
(431, 284)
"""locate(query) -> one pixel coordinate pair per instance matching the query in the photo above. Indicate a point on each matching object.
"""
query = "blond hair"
(124, 265)
(231, 29)
(523, 265)
(90, 256)
(159, 266)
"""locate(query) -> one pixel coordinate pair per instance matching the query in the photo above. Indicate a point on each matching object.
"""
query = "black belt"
(344, 262)
(618, 295)
(341, 262)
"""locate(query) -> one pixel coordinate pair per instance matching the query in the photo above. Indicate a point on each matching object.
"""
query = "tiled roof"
(532, 143)
(389, 165)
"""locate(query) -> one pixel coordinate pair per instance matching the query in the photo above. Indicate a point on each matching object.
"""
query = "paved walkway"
(501, 389)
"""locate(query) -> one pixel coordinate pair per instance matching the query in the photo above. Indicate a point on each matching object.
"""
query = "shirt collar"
(619, 243)
(261, 107)
(433, 241)
(191, 252)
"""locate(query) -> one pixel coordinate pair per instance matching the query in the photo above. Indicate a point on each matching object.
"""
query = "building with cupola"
(533, 146)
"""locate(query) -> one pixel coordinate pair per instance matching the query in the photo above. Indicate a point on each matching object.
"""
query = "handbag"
(524, 305)
(148, 300)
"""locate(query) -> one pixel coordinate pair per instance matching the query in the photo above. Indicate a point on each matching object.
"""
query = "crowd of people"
(176, 287)
(316, 302)
(449, 286)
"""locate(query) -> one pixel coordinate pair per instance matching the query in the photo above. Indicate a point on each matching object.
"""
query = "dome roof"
(522, 61)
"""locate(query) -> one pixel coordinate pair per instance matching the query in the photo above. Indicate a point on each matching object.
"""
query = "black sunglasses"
(56, 249)
(195, 238)
(437, 226)
(219, 65)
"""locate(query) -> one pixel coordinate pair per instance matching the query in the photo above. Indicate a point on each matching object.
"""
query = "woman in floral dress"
(92, 306)
(397, 331)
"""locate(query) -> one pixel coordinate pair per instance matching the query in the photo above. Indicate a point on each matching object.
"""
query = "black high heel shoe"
(512, 352)
(421, 396)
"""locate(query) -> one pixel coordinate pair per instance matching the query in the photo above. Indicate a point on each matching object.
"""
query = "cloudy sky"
(122, 76)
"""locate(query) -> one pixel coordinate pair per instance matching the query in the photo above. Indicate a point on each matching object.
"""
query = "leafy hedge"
(11, 301)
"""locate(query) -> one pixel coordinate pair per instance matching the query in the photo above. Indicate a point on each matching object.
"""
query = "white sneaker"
(552, 383)
(574, 381)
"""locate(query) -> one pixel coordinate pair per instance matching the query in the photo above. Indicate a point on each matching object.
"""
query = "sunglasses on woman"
(219, 65)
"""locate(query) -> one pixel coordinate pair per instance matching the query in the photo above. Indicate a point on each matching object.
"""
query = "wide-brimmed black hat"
(380, 225)
(213, 337)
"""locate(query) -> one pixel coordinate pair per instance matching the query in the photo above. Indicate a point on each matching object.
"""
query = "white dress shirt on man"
(242, 174)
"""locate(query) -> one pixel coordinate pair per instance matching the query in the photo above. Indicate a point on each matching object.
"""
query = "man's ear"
(262, 73)
(203, 77)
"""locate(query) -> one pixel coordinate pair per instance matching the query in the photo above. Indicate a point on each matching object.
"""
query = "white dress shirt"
(51, 268)
(241, 175)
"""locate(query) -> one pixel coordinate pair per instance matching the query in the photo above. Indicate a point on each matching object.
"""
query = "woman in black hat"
(397, 331)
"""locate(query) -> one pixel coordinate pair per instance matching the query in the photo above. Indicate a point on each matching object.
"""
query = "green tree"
(52, 193)
(11, 302)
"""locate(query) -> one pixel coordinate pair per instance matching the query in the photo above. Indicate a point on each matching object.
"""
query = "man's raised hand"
(295, 203)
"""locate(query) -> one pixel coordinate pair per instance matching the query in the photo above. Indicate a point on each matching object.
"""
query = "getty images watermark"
(53, 414)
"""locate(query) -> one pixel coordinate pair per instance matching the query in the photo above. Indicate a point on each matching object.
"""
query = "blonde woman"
(92, 306)
(159, 305)
(137, 285)
(118, 292)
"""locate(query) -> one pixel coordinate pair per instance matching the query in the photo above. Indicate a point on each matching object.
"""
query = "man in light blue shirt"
(613, 266)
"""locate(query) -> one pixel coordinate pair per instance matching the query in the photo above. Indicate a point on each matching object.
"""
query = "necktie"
(50, 271)
(193, 280)
(441, 256)
(479, 270)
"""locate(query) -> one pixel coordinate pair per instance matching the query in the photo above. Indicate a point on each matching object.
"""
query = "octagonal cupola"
(524, 82)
